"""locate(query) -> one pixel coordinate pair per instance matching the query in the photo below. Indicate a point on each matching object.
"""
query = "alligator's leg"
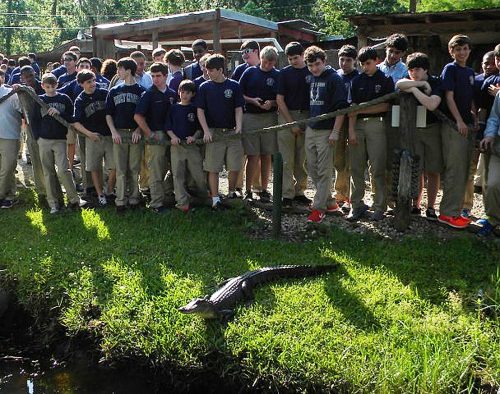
(226, 315)
(247, 290)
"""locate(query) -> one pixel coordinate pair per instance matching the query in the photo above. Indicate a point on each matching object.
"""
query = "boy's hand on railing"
(352, 139)
(207, 137)
(136, 136)
(117, 138)
(462, 128)
(486, 144)
(52, 111)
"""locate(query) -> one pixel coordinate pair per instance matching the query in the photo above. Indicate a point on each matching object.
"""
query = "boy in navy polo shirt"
(194, 70)
(90, 119)
(181, 125)
(347, 71)
(428, 143)
(367, 135)
(175, 60)
(220, 113)
(250, 53)
(70, 60)
(120, 108)
(100, 80)
(458, 105)
(150, 115)
(204, 77)
(51, 137)
(293, 104)
(327, 94)
(259, 85)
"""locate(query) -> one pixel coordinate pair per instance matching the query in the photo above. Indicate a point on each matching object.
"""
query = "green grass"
(395, 317)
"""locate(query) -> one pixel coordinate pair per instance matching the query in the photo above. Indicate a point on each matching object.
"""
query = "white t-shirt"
(10, 115)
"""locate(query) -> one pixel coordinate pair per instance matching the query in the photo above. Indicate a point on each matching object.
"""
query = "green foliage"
(395, 316)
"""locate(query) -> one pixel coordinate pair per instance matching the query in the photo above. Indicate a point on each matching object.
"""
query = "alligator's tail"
(267, 274)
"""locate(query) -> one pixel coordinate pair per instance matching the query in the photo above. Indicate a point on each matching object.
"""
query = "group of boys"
(165, 104)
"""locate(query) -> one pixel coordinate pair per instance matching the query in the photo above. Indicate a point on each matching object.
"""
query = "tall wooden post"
(216, 32)
(407, 131)
(154, 40)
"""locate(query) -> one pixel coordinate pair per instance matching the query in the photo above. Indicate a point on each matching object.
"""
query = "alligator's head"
(202, 307)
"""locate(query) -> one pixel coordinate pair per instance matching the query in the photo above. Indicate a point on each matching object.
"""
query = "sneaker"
(377, 216)
(486, 229)
(416, 211)
(264, 196)
(217, 206)
(81, 203)
(102, 200)
(110, 197)
(430, 214)
(287, 203)
(316, 216)
(478, 189)
(333, 208)
(54, 210)
(344, 205)
(302, 199)
(481, 222)
(79, 188)
(159, 210)
(357, 213)
(390, 212)
(454, 221)
(6, 204)
(465, 213)
(248, 196)
(183, 208)
(232, 195)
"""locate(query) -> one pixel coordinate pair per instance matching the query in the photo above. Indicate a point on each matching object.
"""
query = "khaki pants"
(292, 149)
(157, 166)
(372, 145)
(86, 175)
(127, 160)
(457, 153)
(36, 162)
(342, 166)
(319, 154)
(492, 192)
(54, 154)
(8, 163)
(186, 159)
(469, 188)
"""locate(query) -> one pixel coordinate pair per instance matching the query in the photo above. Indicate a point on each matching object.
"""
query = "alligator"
(221, 304)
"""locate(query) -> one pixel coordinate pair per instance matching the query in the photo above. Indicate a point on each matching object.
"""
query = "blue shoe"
(6, 204)
(486, 230)
(482, 222)
(465, 213)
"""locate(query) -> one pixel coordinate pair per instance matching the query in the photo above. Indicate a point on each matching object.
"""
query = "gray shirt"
(10, 115)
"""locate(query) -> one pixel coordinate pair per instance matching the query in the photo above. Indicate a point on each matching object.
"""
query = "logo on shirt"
(316, 93)
(59, 106)
(228, 93)
(378, 88)
(270, 81)
(191, 116)
(309, 79)
(126, 98)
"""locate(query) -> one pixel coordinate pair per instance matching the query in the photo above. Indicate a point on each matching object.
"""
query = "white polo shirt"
(10, 115)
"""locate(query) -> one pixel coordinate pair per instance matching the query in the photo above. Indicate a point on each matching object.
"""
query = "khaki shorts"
(96, 151)
(228, 151)
(259, 144)
(71, 136)
(429, 148)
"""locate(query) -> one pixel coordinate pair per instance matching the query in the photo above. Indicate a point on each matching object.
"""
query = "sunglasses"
(246, 51)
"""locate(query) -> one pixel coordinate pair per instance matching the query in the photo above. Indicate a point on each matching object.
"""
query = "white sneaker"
(54, 210)
(82, 203)
(102, 200)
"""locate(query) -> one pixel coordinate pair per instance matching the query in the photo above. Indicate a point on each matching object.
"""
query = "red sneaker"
(333, 208)
(454, 221)
(183, 208)
(316, 216)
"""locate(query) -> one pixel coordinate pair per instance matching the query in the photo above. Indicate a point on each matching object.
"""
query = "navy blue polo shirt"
(219, 100)
(176, 80)
(198, 81)
(102, 82)
(257, 83)
(90, 111)
(478, 84)
(121, 103)
(59, 71)
(238, 71)
(182, 120)
(347, 78)
(36, 67)
(485, 99)
(436, 90)
(294, 85)
(154, 106)
(365, 88)
(15, 77)
(71, 89)
(65, 79)
(193, 70)
(327, 94)
(50, 128)
(459, 80)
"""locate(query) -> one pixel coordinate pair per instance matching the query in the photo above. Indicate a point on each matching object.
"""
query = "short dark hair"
(96, 63)
(250, 44)
(294, 48)
(83, 60)
(128, 64)
(175, 57)
(216, 61)
(159, 68)
(31, 55)
(27, 70)
(199, 43)
(497, 51)
(49, 78)
(367, 53)
(158, 52)
(12, 63)
(418, 60)
(70, 54)
(459, 40)
(187, 86)
(24, 61)
(348, 51)
(398, 41)
(108, 69)
(84, 75)
(137, 55)
(314, 53)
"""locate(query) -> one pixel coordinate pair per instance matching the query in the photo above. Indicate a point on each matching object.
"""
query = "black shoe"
(121, 209)
(416, 211)
(264, 196)
(233, 195)
(478, 189)
(249, 197)
(430, 214)
(357, 213)
(287, 203)
(217, 206)
(302, 200)
(159, 210)
(79, 188)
